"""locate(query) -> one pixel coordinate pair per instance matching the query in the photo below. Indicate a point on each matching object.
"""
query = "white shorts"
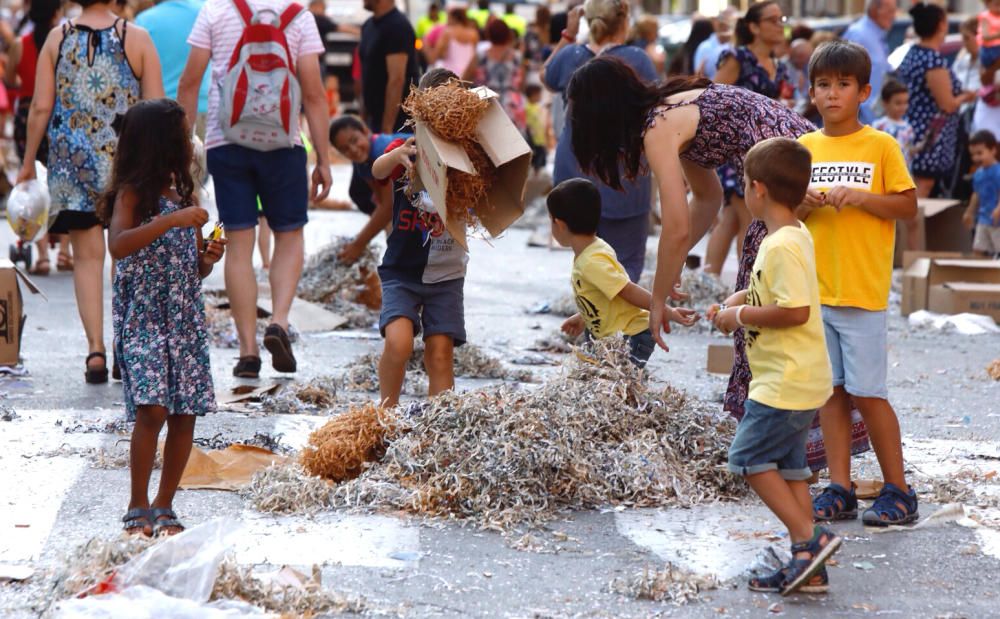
(987, 239)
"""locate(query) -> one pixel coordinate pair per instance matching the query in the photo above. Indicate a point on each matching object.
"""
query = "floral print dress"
(161, 341)
(94, 85)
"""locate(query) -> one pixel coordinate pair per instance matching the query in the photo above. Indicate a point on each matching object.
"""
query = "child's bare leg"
(439, 360)
(801, 491)
(142, 453)
(392, 367)
(883, 428)
(784, 501)
(835, 421)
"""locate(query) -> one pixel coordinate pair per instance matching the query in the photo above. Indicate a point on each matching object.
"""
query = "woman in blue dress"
(89, 72)
(624, 214)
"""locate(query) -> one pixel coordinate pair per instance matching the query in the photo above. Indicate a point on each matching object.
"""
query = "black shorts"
(74, 220)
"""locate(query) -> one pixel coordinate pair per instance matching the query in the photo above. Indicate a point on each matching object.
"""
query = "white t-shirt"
(218, 29)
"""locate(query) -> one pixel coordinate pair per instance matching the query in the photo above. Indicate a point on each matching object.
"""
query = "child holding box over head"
(780, 314)
(423, 277)
(608, 301)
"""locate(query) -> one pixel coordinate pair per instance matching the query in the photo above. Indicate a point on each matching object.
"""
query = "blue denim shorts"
(435, 309)
(641, 347)
(278, 177)
(989, 55)
(769, 439)
(857, 342)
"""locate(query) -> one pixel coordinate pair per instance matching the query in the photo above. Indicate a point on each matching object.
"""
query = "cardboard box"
(12, 315)
(961, 297)
(939, 229)
(928, 274)
(721, 358)
(508, 151)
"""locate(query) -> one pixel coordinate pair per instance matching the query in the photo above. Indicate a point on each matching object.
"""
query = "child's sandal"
(775, 582)
(835, 503)
(892, 507)
(821, 547)
(164, 518)
(137, 520)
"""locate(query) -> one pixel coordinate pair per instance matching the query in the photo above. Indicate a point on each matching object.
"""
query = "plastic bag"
(141, 602)
(185, 565)
(28, 208)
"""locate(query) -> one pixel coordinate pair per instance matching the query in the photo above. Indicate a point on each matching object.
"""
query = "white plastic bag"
(141, 602)
(185, 565)
(28, 207)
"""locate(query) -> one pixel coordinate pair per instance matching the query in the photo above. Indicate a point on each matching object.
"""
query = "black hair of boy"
(841, 58)
(784, 166)
(438, 76)
(891, 88)
(532, 89)
(984, 137)
(345, 122)
(578, 203)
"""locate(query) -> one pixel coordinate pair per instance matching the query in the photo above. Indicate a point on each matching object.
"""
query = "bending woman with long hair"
(685, 128)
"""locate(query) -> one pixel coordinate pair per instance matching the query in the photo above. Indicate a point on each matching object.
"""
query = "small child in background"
(537, 121)
(895, 102)
(608, 301)
(423, 277)
(373, 197)
(984, 211)
(989, 40)
(780, 313)
(161, 341)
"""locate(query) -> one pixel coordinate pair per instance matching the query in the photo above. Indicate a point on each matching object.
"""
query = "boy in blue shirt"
(983, 211)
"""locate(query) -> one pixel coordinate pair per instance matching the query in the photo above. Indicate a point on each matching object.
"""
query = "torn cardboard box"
(939, 228)
(720, 358)
(958, 285)
(12, 314)
(506, 148)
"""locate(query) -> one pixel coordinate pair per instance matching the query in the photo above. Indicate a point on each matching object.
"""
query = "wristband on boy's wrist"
(739, 315)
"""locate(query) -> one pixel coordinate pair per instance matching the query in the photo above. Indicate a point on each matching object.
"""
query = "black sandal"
(247, 367)
(277, 343)
(165, 518)
(136, 520)
(98, 376)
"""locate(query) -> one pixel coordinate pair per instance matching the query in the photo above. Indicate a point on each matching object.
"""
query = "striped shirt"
(218, 29)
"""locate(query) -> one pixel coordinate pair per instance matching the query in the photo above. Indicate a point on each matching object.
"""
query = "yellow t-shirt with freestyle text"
(597, 279)
(790, 365)
(854, 248)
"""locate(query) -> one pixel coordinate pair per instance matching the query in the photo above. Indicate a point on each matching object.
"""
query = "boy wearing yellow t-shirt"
(780, 314)
(860, 185)
(608, 302)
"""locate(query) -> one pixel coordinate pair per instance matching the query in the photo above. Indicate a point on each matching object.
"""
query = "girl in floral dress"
(159, 314)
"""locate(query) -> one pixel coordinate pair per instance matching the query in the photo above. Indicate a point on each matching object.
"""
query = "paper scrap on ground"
(226, 469)
(964, 324)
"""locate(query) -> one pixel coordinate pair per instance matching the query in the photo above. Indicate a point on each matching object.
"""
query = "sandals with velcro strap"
(800, 571)
(892, 507)
(835, 503)
(775, 582)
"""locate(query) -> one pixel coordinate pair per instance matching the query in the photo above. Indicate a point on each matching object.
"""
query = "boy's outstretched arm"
(902, 205)
(640, 297)
(772, 316)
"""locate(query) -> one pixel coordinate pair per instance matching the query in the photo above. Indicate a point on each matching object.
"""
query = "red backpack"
(260, 96)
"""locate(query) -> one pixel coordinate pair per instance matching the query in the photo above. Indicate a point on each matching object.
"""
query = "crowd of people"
(741, 135)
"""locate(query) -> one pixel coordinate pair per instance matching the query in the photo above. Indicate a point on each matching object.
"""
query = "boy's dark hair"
(154, 151)
(345, 122)
(577, 202)
(841, 58)
(532, 89)
(984, 137)
(891, 88)
(438, 76)
(927, 19)
(784, 166)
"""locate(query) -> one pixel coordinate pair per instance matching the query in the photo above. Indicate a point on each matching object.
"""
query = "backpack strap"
(244, 10)
(289, 15)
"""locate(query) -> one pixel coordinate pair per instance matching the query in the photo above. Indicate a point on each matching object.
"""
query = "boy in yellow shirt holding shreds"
(780, 313)
(860, 186)
(607, 300)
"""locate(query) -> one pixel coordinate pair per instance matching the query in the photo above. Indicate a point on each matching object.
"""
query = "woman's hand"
(659, 324)
(190, 217)
(681, 315)
(27, 172)
(214, 251)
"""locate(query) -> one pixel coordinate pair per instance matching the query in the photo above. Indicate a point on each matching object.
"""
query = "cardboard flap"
(921, 267)
(499, 136)
(7, 264)
(935, 206)
(972, 287)
(968, 263)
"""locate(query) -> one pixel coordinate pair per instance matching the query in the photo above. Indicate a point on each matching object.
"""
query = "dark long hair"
(683, 62)
(608, 107)
(154, 151)
(744, 36)
(42, 13)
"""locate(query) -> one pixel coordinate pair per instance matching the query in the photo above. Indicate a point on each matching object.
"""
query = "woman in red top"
(20, 70)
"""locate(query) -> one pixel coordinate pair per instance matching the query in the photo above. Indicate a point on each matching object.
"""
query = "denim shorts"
(857, 342)
(278, 177)
(435, 309)
(989, 55)
(641, 347)
(770, 439)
